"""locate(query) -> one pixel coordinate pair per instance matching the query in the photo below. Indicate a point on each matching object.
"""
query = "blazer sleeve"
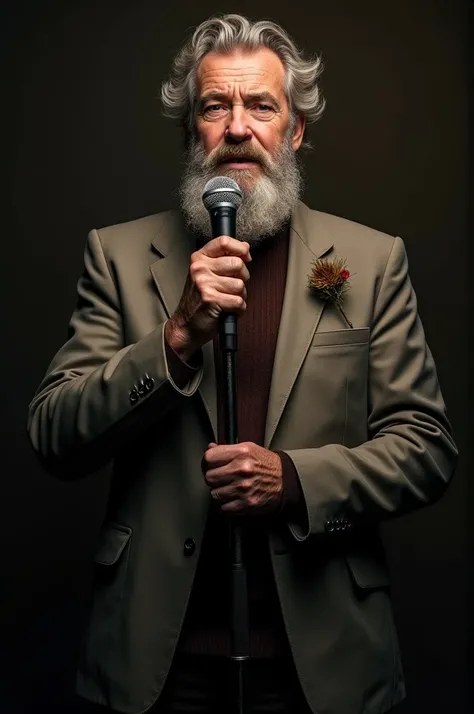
(98, 392)
(410, 455)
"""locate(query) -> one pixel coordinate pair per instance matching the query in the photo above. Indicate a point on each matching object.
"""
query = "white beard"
(268, 201)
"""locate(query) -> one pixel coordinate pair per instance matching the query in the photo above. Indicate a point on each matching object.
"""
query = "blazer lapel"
(175, 245)
(300, 314)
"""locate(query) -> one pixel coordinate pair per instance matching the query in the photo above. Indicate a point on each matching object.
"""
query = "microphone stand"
(240, 645)
(223, 221)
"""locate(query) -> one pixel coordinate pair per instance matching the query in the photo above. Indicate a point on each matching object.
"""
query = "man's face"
(243, 129)
(242, 112)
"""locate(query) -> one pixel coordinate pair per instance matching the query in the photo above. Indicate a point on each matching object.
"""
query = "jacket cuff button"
(149, 383)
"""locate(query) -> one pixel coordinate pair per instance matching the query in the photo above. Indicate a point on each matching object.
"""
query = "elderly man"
(340, 416)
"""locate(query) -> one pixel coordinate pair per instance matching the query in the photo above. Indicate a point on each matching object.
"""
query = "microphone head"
(221, 190)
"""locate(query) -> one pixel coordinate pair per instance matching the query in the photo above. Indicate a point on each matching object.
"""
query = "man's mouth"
(238, 160)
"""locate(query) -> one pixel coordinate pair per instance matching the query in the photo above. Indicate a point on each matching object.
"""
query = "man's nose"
(237, 129)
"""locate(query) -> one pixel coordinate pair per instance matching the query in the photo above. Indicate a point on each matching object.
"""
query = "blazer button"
(134, 396)
(141, 387)
(189, 546)
(329, 526)
(149, 383)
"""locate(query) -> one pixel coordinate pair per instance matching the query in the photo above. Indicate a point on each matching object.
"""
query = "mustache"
(227, 152)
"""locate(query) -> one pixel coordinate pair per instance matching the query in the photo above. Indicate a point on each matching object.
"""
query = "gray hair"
(223, 34)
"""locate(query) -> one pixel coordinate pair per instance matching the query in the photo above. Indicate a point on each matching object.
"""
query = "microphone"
(222, 197)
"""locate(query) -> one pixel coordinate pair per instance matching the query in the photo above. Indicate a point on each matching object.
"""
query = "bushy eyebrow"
(250, 96)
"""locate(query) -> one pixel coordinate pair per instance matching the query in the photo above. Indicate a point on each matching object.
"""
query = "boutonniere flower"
(329, 281)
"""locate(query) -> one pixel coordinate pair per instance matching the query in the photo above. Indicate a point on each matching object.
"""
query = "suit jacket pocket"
(111, 559)
(329, 400)
(368, 571)
(112, 540)
(354, 336)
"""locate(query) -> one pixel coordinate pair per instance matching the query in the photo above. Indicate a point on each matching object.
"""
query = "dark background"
(85, 146)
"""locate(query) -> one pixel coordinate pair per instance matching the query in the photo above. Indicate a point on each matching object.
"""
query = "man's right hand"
(215, 284)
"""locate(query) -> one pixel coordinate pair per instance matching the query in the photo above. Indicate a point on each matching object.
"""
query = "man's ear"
(298, 132)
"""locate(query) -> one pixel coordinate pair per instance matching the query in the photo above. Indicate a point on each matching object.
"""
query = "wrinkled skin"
(245, 478)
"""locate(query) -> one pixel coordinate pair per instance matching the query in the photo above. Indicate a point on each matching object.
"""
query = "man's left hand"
(245, 479)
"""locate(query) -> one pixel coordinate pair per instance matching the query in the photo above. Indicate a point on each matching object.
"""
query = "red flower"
(329, 281)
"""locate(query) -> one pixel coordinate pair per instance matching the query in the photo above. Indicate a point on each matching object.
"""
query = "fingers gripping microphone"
(222, 197)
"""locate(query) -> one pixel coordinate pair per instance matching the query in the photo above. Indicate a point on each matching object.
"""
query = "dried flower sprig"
(329, 281)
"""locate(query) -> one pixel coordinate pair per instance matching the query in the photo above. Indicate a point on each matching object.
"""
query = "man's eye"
(264, 111)
(213, 108)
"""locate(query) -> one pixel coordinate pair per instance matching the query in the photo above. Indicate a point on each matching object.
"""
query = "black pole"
(240, 646)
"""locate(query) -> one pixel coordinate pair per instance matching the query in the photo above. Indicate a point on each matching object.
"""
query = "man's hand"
(245, 479)
(215, 283)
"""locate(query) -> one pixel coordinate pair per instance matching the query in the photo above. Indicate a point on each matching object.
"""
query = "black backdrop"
(85, 146)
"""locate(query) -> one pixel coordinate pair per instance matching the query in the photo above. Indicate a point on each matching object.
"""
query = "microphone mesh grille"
(215, 193)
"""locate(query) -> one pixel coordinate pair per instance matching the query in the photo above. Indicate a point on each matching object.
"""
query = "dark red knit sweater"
(206, 626)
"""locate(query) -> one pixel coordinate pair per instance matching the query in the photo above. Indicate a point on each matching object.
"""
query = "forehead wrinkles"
(225, 77)
(231, 71)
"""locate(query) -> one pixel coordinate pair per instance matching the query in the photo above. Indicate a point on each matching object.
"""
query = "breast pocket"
(330, 396)
(341, 338)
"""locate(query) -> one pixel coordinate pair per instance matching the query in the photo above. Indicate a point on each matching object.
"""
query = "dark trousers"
(201, 685)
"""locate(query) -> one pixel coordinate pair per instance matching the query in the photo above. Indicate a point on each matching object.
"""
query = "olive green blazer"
(359, 411)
